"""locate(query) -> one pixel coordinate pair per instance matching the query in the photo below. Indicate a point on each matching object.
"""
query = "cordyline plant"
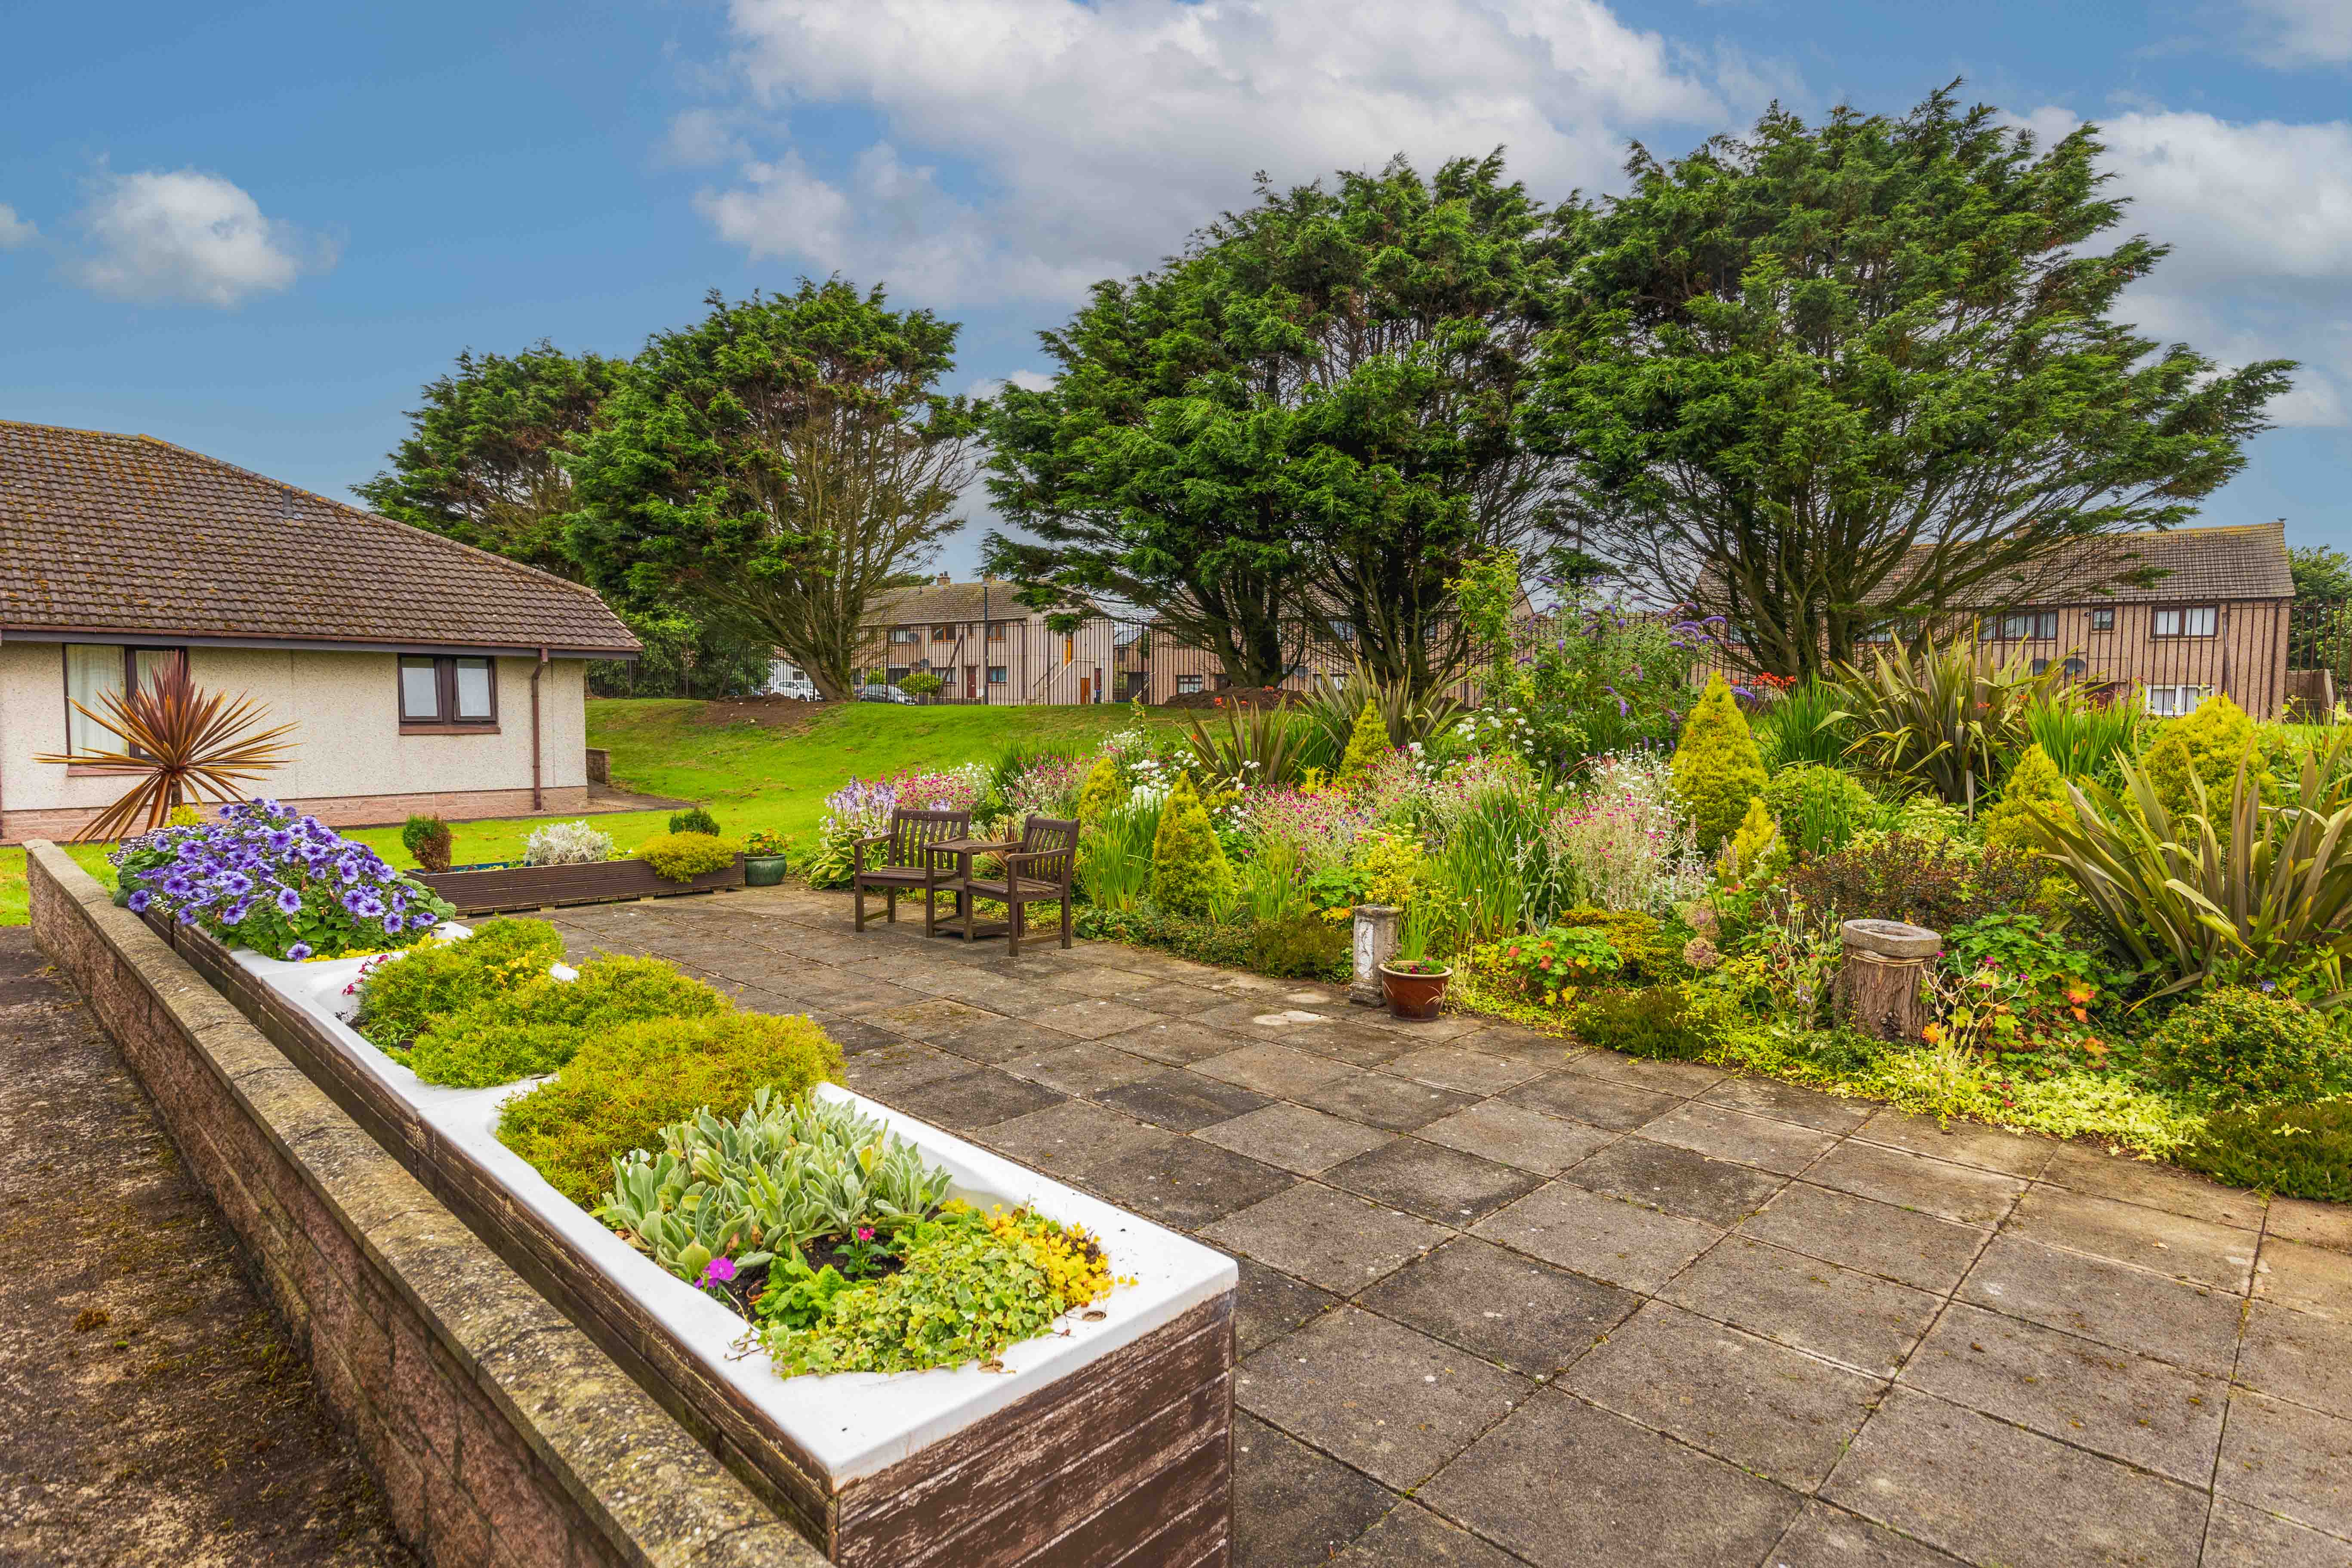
(2275, 894)
(183, 746)
(1941, 717)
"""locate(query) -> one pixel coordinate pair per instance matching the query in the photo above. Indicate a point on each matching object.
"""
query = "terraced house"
(424, 675)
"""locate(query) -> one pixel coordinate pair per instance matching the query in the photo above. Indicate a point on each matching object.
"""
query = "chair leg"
(858, 896)
(930, 910)
(1065, 920)
(890, 902)
(1012, 929)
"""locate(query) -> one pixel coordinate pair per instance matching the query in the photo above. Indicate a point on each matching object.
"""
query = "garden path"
(153, 1412)
(1506, 1300)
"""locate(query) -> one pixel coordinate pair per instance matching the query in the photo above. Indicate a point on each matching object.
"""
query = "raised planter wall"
(1123, 1458)
(501, 1433)
(511, 888)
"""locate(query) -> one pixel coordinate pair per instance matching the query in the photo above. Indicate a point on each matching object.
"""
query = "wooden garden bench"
(901, 866)
(1039, 869)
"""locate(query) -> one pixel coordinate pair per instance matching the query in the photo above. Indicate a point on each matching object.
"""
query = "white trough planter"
(869, 1462)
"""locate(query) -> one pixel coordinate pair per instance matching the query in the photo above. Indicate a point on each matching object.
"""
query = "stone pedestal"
(1879, 987)
(1376, 944)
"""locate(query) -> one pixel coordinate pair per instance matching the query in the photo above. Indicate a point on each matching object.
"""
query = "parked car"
(786, 678)
(885, 694)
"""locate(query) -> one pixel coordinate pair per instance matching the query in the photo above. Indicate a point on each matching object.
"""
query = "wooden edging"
(511, 888)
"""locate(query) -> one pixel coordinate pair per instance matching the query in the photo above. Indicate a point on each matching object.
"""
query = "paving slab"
(1607, 1238)
(2144, 1411)
(1899, 1244)
(2175, 1246)
(1790, 1102)
(1412, 1537)
(2193, 1326)
(1176, 1180)
(1517, 1135)
(1767, 1409)
(1389, 1400)
(1295, 1138)
(1514, 1311)
(2239, 1536)
(1960, 1142)
(2297, 1356)
(1676, 1180)
(2288, 1460)
(1377, 1100)
(1685, 1080)
(1181, 1101)
(1271, 1069)
(1963, 1194)
(1292, 1505)
(1620, 1107)
(1271, 1303)
(2315, 1224)
(967, 1102)
(1464, 1070)
(1082, 1068)
(1989, 1492)
(1825, 1536)
(2309, 1278)
(1326, 1238)
(2153, 1186)
(1177, 1045)
(1863, 1322)
(1432, 1181)
(1631, 1498)
(1725, 1134)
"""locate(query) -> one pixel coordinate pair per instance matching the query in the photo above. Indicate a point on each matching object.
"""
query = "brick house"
(424, 675)
(985, 645)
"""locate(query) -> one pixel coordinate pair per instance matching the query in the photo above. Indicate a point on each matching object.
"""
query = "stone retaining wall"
(502, 1435)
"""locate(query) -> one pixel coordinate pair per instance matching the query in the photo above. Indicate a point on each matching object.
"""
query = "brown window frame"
(444, 720)
(129, 652)
(2184, 611)
(906, 635)
(1994, 626)
(943, 632)
(2107, 624)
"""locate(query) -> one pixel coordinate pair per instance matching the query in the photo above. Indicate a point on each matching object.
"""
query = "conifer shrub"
(622, 1087)
(1717, 768)
(2035, 791)
(1368, 744)
(2294, 1150)
(683, 857)
(1102, 791)
(1189, 870)
(2207, 746)
(1755, 853)
(694, 819)
(428, 842)
(1820, 809)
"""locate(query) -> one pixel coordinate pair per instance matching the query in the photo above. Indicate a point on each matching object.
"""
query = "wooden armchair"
(1039, 869)
(901, 866)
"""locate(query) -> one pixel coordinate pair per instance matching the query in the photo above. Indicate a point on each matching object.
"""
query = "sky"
(256, 230)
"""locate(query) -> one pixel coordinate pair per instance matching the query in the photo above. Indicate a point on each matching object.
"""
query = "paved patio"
(1505, 1302)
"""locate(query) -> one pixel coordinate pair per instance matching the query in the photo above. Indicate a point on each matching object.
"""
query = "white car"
(884, 694)
(788, 679)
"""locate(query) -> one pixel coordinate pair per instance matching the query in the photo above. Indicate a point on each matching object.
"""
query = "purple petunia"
(235, 913)
(299, 951)
(289, 903)
(139, 900)
(179, 885)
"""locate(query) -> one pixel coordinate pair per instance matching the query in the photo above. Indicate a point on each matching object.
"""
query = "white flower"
(562, 972)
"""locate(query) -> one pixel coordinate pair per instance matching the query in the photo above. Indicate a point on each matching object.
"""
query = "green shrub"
(428, 842)
(683, 857)
(1637, 938)
(919, 683)
(2035, 792)
(2206, 746)
(1303, 946)
(2238, 1047)
(1103, 790)
(1717, 768)
(2294, 1150)
(1368, 747)
(1559, 958)
(1754, 854)
(537, 1027)
(621, 1089)
(1938, 883)
(1820, 809)
(694, 819)
(1189, 870)
(1658, 1021)
(400, 997)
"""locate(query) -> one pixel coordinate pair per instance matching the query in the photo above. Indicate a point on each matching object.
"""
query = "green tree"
(1831, 375)
(483, 460)
(1189, 870)
(778, 464)
(1717, 768)
(2320, 571)
(1311, 415)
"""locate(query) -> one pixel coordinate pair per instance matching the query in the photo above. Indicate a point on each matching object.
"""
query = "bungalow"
(422, 675)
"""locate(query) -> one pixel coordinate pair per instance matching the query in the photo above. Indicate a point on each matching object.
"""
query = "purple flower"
(299, 951)
(719, 1272)
(289, 903)
(235, 913)
(179, 885)
(234, 883)
(139, 900)
(420, 920)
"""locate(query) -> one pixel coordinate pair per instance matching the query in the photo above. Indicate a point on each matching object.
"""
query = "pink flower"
(719, 1272)
(864, 1233)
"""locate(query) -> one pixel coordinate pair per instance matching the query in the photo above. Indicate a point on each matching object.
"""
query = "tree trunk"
(1879, 985)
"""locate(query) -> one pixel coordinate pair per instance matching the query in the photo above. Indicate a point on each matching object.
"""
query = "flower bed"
(1129, 1390)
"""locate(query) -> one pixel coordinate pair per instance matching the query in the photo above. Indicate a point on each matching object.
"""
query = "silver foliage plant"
(776, 1178)
(567, 844)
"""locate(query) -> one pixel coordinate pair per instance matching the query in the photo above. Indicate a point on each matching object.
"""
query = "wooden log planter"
(503, 888)
(1106, 1442)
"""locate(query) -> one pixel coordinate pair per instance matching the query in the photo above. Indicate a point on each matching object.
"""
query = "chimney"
(946, 580)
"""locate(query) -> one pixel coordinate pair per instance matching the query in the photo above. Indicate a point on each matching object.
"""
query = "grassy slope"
(750, 777)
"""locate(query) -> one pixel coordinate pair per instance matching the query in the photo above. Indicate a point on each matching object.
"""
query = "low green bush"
(694, 819)
(1938, 883)
(1820, 809)
(428, 842)
(2238, 1047)
(537, 1027)
(400, 997)
(1306, 947)
(683, 857)
(2294, 1150)
(1658, 1021)
(1555, 959)
(620, 1089)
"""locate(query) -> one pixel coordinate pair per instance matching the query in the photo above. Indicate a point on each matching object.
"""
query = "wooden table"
(966, 914)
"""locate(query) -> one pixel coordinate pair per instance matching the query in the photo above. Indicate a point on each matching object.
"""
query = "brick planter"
(1106, 1442)
(511, 887)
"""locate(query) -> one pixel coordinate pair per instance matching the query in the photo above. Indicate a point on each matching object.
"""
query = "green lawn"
(750, 777)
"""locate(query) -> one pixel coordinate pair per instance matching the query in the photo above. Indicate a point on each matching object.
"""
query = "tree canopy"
(1308, 419)
(779, 462)
(1827, 376)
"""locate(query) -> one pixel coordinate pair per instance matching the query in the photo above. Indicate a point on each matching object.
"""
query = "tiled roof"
(2246, 560)
(937, 604)
(104, 533)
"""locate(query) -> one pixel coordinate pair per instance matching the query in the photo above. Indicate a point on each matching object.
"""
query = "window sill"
(448, 729)
(100, 771)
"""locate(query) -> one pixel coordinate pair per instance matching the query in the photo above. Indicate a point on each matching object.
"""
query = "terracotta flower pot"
(1412, 996)
(762, 871)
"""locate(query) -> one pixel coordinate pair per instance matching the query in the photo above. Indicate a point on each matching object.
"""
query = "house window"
(1186, 685)
(2103, 620)
(95, 670)
(906, 633)
(1882, 633)
(1069, 647)
(998, 675)
(437, 691)
(2019, 626)
(2189, 621)
(2172, 701)
(899, 672)
(996, 631)
(943, 634)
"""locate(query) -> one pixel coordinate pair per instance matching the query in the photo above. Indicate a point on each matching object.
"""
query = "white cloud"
(187, 238)
(2259, 217)
(1103, 133)
(13, 230)
(2295, 33)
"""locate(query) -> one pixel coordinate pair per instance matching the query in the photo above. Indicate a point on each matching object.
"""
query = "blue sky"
(256, 230)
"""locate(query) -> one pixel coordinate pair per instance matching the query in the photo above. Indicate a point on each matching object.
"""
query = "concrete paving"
(1508, 1301)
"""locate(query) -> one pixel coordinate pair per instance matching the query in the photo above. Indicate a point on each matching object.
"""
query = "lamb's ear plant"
(2274, 893)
